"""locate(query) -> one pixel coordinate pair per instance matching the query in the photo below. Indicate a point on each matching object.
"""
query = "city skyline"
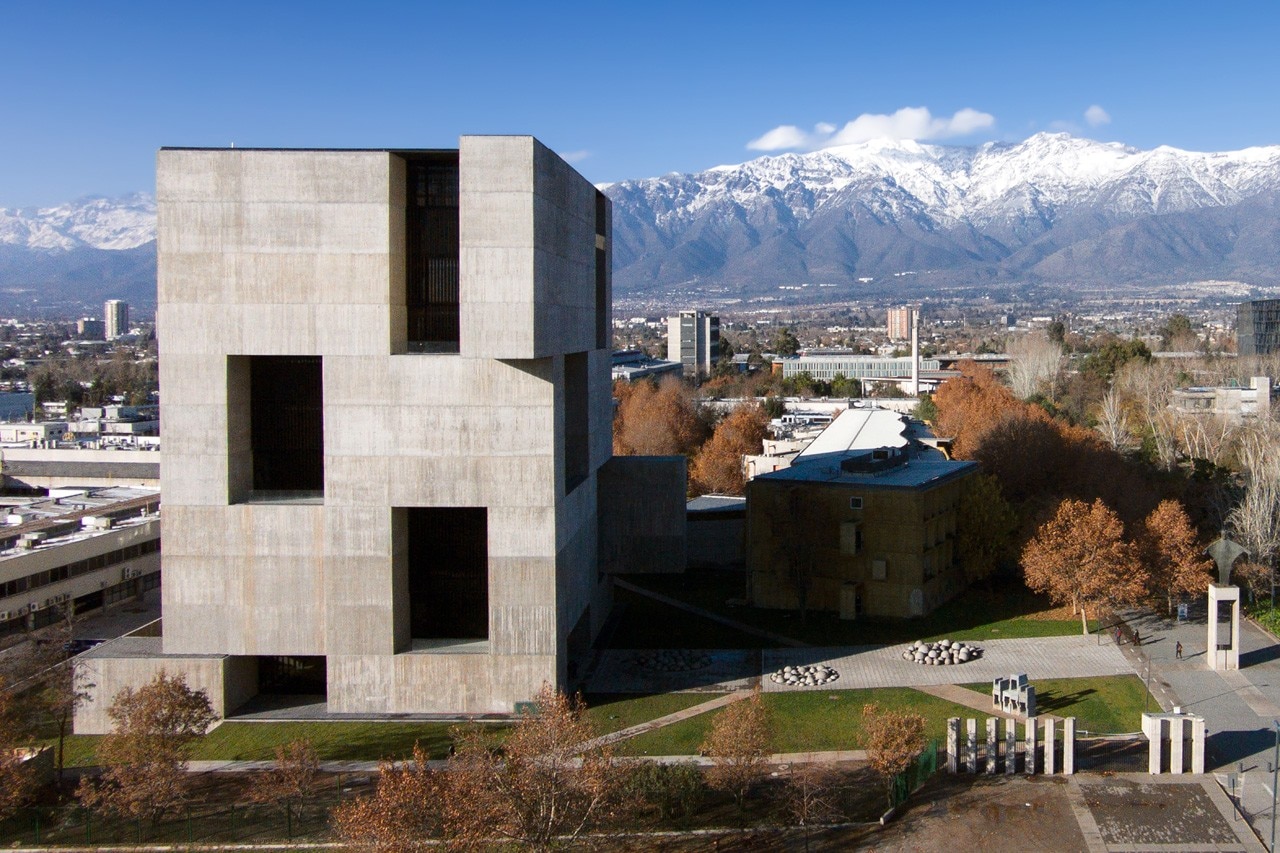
(98, 89)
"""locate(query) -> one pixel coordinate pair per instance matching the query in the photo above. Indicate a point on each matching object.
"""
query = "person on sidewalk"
(1137, 640)
(1177, 651)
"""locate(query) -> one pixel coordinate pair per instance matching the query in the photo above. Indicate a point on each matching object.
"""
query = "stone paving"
(883, 666)
(625, 671)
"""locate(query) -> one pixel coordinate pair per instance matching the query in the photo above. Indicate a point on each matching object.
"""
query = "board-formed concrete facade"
(303, 253)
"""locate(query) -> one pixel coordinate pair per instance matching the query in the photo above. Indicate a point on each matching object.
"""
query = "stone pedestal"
(993, 743)
(1171, 731)
(971, 755)
(1224, 651)
(953, 744)
(1049, 737)
(1069, 745)
(1010, 747)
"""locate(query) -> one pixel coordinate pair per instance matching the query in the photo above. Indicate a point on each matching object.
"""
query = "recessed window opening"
(577, 452)
(292, 675)
(431, 245)
(286, 425)
(448, 562)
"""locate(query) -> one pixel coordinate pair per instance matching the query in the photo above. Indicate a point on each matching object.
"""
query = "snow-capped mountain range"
(95, 223)
(1051, 208)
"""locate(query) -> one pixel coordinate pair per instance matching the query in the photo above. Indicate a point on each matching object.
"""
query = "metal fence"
(910, 780)
(1122, 754)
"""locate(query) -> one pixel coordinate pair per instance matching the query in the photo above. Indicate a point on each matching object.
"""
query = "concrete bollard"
(1069, 746)
(1049, 738)
(1029, 754)
(953, 744)
(971, 757)
(993, 743)
(1010, 747)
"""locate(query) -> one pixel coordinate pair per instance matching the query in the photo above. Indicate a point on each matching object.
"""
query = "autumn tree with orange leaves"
(738, 745)
(657, 420)
(1172, 555)
(145, 757)
(1080, 557)
(717, 468)
(893, 740)
(403, 813)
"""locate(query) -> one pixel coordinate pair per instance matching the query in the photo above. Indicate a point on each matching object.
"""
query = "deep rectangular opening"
(431, 245)
(448, 569)
(286, 425)
(604, 311)
(577, 453)
(293, 676)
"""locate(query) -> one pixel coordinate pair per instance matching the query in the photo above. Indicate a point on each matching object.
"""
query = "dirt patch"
(993, 815)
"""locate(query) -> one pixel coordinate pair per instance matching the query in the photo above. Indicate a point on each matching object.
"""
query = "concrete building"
(862, 522)
(900, 322)
(87, 548)
(116, 318)
(1258, 327)
(630, 365)
(1233, 403)
(693, 339)
(854, 366)
(89, 329)
(386, 402)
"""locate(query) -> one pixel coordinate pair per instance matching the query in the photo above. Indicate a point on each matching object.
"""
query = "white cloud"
(1096, 116)
(906, 123)
(574, 156)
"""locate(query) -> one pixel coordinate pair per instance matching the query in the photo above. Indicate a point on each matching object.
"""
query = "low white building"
(1233, 403)
(87, 548)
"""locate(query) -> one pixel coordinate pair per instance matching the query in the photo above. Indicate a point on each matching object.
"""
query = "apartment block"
(693, 340)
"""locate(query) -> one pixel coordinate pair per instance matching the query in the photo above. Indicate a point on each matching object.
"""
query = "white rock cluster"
(941, 653)
(804, 675)
(673, 660)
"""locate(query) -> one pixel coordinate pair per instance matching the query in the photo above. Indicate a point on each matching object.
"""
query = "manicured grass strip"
(370, 741)
(806, 722)
(1108, 704)
(612, 712)
(1007, 613)
(333, 741)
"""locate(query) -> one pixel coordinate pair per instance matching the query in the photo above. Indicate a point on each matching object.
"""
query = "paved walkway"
(883, 666)
(678, 716)
(1240, 707)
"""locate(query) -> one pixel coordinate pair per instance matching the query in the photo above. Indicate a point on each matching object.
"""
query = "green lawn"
(338, 741)
(369, 741)
(977, 614)
(611, 712)
(1109, 704)
(806, 721)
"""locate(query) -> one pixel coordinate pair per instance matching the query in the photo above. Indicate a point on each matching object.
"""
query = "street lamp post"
(1275, 773)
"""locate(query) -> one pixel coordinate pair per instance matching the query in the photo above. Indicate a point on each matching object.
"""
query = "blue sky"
(91, 89)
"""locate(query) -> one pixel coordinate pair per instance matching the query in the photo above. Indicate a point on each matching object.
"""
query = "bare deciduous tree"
(1113, 422)
(1149, 385)
(1034, 362)
(290, 781)
(17, 783)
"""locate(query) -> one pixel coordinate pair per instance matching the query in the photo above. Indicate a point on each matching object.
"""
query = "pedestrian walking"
(1177, 651)
(1137, 641)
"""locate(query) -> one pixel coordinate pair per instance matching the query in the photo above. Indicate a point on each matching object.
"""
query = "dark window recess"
(604, 309)
(292, 676)
(448, 573)
(286, 399)
(431, 244)
(577, 451)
